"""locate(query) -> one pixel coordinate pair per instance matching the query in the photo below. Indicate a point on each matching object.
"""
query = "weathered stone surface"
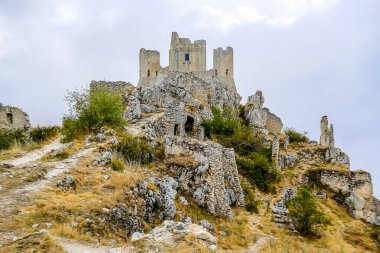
(13, 118)
(133, 110)
(353, 188)
(280, 211)
(212, 182)
(327, 134)
(116, 86)
(259, 117)
(273, 123)
(287, 161)
(275, 147)
(336, 156)
(169, 232)
(254, 112)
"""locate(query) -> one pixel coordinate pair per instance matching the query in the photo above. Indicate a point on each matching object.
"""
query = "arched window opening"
(187, 57)
(148, 75)
(156, 73)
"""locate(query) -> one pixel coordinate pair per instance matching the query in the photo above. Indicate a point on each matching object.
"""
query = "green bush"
(8, 137)
(139, 150)
(251, 204)
(40, 134)
(117, 164)
(254, 160)
(296, 137)
(303, 210)
(90, 110)
(258, 170)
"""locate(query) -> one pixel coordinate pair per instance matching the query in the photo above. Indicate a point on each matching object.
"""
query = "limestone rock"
(353, 189)
(213, 180)
(273, 123)
(336, 156)
(287, 160)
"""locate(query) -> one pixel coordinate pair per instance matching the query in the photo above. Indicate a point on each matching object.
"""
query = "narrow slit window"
(176, 129)
(226, 72)
(148, 75)
(216, 72)
(156, 73)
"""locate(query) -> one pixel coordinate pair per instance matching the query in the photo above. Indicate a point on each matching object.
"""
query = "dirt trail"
(15, 189)
(35, 154)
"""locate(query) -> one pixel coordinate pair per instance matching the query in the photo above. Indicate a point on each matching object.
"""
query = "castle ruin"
(13, 118)
(187, 57)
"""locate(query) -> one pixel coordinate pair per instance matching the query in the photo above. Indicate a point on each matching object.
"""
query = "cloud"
(225, 15)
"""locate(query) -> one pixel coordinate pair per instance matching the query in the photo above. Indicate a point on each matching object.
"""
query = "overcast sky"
(309, 57)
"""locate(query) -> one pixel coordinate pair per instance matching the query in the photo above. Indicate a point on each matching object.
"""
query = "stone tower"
(224, 66)
(185, 56)
(149, 66)
(327, 134)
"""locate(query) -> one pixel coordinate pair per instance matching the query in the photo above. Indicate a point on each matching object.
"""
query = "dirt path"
(35, 154)
(19, 183)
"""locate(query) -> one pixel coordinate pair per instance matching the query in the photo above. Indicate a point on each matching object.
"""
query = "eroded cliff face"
(351, 188)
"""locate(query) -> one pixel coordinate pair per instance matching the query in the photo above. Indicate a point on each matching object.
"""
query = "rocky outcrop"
(287, 161)
(169, 233)
(214, 181)
(337, 156)
(133, 109)
(259, 117)
(353, 189)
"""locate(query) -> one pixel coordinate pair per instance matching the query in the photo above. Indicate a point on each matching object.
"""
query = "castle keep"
(187, 57)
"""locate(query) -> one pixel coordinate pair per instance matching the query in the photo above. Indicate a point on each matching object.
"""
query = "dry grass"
(345, 234)
(33, 243)
(93, 195)
(182, 160)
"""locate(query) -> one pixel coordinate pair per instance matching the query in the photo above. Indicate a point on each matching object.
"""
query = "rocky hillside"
(191, 170)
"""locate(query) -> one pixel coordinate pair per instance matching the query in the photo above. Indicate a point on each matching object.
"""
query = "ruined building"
(187, 57)
(13, 118)
(327, 134)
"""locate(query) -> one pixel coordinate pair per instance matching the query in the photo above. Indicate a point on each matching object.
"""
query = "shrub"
(296, 137)
(90, 110)
(40, 134)
(303, 210)
(259, 171)
(8, 137)
(224, 123)
(251, 204)
(117, 163)
(139, 150)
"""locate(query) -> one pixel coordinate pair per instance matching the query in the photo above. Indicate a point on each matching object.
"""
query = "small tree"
(303, 210)
(295, 136)
(90, 110)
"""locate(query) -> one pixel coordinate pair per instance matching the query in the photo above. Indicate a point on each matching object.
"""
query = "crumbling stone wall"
(353, 188)
(327, 134)
(115, 86)
(259, 117)
(13, 118)
(214, 183)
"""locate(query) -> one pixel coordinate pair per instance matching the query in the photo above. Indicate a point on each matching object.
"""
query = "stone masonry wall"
(13, 118)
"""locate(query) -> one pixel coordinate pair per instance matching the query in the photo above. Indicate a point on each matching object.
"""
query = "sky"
(309, 57)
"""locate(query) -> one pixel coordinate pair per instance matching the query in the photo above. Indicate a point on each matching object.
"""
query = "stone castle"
(187, 57)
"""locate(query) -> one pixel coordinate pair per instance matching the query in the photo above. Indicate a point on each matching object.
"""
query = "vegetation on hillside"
(253, 159)
(304, 212)
(91, 110)
(9, 137)
(295, 136)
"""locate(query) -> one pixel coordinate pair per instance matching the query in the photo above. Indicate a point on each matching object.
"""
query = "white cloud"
(66, 14)
(225, 15)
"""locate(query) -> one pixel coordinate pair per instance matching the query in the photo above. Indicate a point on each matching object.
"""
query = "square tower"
(149, 66)
(224, 66)
(185, 56)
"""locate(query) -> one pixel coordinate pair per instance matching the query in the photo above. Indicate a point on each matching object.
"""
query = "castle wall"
(224, 66)
(185, 56)
(149, 67)
(13, 118)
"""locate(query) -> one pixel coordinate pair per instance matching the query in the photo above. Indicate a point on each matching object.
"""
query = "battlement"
(186, 56)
